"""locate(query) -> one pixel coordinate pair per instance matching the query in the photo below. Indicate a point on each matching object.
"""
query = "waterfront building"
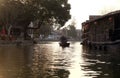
(102, 31)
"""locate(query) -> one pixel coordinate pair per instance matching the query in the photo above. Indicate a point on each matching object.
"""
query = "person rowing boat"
(63, 41)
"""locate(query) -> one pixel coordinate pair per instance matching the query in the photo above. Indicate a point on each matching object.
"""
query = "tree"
(45, 30)
(22, 12)
(72, 30)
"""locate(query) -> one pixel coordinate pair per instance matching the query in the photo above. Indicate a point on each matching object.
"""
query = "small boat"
(64, 44)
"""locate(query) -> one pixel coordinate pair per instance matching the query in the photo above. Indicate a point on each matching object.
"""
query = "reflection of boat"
(64, 44)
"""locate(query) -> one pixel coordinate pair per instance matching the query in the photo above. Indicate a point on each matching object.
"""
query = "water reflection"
(54, 58)
(49, 60)
(103, 63)
(13, 61)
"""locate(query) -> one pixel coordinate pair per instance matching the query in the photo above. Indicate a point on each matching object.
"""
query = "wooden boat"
(64, 44)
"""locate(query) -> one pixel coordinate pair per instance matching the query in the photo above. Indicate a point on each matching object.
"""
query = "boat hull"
(64, 44)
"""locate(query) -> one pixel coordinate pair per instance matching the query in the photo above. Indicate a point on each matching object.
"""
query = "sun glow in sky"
(81, 9)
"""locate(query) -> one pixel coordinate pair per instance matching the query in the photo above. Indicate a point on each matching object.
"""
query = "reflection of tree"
(15, 61)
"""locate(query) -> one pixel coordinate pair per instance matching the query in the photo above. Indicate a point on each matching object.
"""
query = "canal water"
(49, 60)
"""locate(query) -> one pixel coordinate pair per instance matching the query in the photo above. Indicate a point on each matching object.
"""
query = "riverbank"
(15, 42)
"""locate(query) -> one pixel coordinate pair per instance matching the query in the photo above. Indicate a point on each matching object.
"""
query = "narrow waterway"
(49, 60)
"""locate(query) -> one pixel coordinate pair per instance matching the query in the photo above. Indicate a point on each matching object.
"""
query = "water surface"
(49, 60)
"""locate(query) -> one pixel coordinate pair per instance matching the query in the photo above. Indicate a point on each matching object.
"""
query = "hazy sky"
(81, 9)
